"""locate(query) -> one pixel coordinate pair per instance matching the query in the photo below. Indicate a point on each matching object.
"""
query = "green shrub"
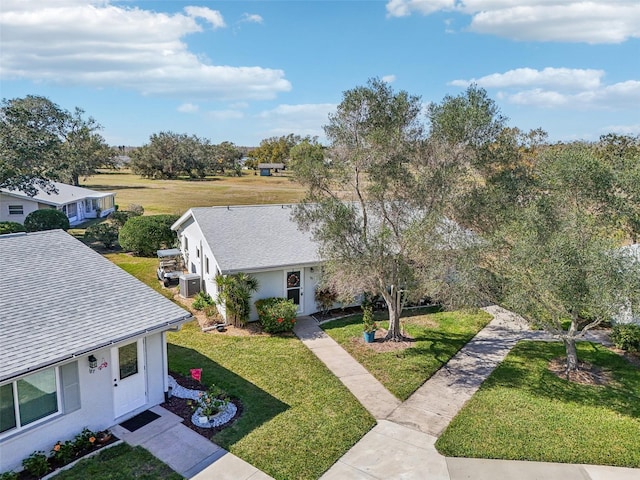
(135, 210)
(46, 219)
(8, 476)
(36, 464)
(147, 234)
(626, 337)
(276, 314)
(11, 227)
(202, 300)
(105, 233)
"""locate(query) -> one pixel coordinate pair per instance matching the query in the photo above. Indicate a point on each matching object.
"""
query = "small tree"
(46, 219)
(235, 296)
(11, 227)
(147, 234)
(105, 233)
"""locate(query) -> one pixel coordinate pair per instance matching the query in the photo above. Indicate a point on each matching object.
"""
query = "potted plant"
(369, 325)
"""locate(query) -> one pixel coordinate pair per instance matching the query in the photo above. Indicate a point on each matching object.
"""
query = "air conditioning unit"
(189, 284)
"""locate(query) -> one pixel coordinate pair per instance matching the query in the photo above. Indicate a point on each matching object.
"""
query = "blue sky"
(242, 71)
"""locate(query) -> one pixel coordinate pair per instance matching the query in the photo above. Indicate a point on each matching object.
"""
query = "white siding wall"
(96, 412)
(28, 206)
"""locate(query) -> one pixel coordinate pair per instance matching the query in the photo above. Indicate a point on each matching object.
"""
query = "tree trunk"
(75, 179)
(394, 306)
(572, 354)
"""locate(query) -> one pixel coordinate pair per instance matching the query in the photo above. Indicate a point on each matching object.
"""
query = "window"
(197, 252)
(16, 210)
(128, 359)
(71, 210)
(206, 265)
(28, 399)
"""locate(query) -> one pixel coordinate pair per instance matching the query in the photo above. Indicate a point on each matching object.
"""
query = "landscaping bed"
(184, 407)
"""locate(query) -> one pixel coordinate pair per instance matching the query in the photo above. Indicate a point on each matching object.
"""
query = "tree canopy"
(39, 141)
(378, 204)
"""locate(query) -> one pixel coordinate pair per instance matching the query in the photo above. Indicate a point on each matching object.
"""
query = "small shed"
(267, 168)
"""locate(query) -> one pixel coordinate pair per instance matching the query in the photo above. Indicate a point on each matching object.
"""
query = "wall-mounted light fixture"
(93, 362)
(311, 269)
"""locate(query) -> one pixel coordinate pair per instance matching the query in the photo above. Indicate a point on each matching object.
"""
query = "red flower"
(280, 320)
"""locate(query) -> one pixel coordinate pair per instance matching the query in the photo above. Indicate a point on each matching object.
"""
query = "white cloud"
(304, 119)
(594, 21)
(623, 129)
(214, 17)
(251, 18)
(188, 108)
(563, 78)
(389, 78)
(96, 44)
(559, 87)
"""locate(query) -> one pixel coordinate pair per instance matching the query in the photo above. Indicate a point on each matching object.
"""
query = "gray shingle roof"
(66, 194)
(259, 237)
(60, 299)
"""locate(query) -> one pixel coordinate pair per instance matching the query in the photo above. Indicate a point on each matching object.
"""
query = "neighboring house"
(82, 343)
(627, 315)
(260, 240)
(266, 168)
(77, 203)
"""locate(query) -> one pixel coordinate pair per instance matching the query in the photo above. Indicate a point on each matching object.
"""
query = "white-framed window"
(38, 396)
(16, 210)
(70, 210)
(206, 265)
(197, 252)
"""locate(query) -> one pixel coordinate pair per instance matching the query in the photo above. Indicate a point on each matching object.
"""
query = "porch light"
(93, 362)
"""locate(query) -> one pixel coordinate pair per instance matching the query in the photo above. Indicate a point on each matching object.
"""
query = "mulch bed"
(587, 373)
(183, 407)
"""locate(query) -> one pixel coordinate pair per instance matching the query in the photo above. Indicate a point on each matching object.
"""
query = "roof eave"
(164, 327)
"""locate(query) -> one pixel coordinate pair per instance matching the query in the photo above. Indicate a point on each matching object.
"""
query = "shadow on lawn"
(258, 406)
(526, 369)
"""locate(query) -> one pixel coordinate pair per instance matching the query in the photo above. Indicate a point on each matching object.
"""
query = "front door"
(293, 285)
(129, 383)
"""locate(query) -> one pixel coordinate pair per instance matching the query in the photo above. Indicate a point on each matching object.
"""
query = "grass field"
(120, 462)
(437, 337)
(177, 196)
(298, 418)
(525, 412)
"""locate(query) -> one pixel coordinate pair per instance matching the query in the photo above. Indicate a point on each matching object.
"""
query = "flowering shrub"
(276, 314)
(211, 402)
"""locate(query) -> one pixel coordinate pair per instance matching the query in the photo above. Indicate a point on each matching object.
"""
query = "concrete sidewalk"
(402, 444)
(187, 452)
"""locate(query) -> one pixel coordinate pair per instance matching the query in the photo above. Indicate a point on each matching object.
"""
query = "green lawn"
(143, 268)
(177, 196)
(298, 419)
(119, 463)
(524, 412)
(438, 336)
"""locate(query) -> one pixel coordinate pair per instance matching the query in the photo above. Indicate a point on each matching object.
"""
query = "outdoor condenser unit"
(189, 284)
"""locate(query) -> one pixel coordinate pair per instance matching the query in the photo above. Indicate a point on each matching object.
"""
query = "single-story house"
(266, 168)
(79, 204)
(262, 241)
(627, 314)
(82, 343)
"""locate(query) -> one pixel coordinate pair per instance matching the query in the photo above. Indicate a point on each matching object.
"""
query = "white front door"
(129, 382)
(294, 287)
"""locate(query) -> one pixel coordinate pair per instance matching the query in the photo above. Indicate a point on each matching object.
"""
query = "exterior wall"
(28, 206)
(97, 405)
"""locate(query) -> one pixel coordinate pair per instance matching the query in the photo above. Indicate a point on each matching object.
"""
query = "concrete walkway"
(187, 452)
(401, 445)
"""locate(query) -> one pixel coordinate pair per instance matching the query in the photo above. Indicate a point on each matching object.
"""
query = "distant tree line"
(170, 155)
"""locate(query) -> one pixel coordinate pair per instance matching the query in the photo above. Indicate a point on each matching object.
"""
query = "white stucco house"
(82, 343)
(259, 240)
(78, 204)
(627, 314)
